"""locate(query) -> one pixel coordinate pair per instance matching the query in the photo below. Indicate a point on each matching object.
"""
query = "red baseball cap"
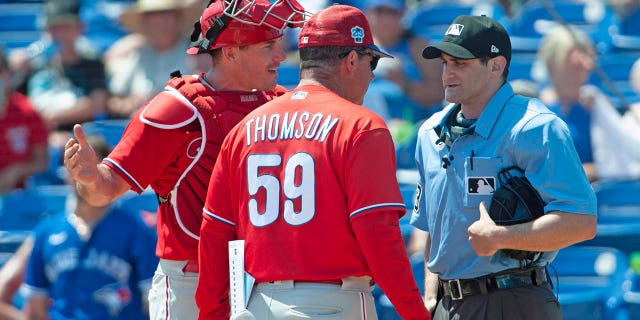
(339, 25)
(239, 23)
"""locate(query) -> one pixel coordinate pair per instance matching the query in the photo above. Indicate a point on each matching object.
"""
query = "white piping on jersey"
(169, 90)
(125, 172)
(379, 205)
(174, 192)
(221, 219)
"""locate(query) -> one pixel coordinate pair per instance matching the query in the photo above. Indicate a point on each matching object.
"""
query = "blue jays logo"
(114, 297)
(194, 148)
(357, 33)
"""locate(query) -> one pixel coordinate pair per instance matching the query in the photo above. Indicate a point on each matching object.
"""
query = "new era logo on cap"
(494, 49)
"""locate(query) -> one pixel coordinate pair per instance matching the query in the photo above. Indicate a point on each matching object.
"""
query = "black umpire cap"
(471, 37)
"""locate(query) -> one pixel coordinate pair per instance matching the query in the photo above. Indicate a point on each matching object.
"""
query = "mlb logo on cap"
(454, 30)
(471, 37)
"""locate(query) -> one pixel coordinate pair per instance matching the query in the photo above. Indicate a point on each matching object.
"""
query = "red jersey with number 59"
(291, 176)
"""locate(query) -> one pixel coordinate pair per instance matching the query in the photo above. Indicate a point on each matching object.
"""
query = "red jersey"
(291, 177)
(172, 144)
(21, 128)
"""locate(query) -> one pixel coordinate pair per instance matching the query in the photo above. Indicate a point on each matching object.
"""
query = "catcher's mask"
(229, 23)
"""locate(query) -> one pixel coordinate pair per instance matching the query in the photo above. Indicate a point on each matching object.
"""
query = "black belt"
(459, 288)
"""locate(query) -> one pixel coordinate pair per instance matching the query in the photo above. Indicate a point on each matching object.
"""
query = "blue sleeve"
(418, 213)
(145, 260)
(35, 278)
(545, 149)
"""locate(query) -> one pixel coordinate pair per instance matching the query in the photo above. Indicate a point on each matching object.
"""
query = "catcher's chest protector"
(216, 114)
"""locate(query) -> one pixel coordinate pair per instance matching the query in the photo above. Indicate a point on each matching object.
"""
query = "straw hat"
(189, 9)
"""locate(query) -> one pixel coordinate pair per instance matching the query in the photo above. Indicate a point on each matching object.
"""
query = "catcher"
(492, 147)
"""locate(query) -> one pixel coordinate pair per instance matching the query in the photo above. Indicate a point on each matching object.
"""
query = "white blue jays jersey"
(100, 278)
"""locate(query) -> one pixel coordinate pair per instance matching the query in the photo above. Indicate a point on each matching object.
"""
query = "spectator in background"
(138, 65)
(90, 262)
(616, 135)
(23, 135)
(568, 56)
(71, 86)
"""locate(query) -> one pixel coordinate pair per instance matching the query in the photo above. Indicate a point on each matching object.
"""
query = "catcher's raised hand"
(482, 233)
(80, 159)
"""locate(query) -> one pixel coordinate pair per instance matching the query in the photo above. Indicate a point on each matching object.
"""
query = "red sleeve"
(371, 163)
(378, 234)
(212, 292)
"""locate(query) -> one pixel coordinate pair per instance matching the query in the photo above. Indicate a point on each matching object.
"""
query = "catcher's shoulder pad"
(167, 111)
(179, 104)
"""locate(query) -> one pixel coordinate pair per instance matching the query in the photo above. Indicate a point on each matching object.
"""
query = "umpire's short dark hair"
(318, 57)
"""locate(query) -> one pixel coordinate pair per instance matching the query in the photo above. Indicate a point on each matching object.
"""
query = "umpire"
(462, 153)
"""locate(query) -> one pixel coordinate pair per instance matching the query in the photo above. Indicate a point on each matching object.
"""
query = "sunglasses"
(373, 64)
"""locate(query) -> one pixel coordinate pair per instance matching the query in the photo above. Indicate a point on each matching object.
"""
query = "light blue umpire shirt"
(512, 130)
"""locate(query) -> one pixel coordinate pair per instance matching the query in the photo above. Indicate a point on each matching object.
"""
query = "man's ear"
(229, 53)
(351, 61)
(498, 64)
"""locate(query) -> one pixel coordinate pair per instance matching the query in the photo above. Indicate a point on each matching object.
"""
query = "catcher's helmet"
(228, 23)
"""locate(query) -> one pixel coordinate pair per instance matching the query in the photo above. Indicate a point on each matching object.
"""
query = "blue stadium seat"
(55, 172)
(10, 240)
(23, 209)
(431, 21)
(632, 296)
(625, 35)
(20, 24)
(590, 282)
(618, 216)
(616, 66)
(144, 205)
(101, 18)
(110, 130)
(537, 16)
(521, 66)
(288, 75)
(20, 16)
